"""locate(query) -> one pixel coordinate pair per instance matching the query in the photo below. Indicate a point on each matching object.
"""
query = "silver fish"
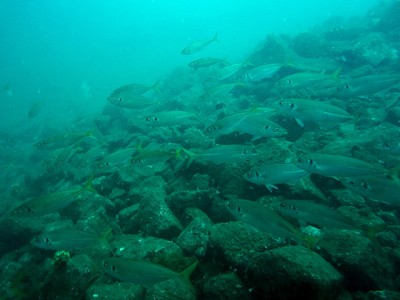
(261, 72)
(65, 239)
(226, 72)
(376, 188)
(338, 166)
(170, 118)
(262, 218)
(205, 62)
(317, 214)
(368, 85)
(271, 174)
(50, 203)
(313, 111)
(304, 80)
(223, 154)
(142, 272)
(62, 140)
(253, 123)
(198, 45)
(132, 101)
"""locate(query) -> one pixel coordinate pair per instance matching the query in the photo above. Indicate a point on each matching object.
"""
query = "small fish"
(390, 147)
(58, 158)
(271, 174)
(116, 160)
(131, 101)
(51, 203)
(170, 118)
(143, 273)
(218, 91)
(223, 154)
(380, 189)
(7, 90)
(262, 218)
(313, 111)
(65, 239)
(198, 45)
(62, 140)
(255, 123)
(261, 72)
(317, 214)
(226, 72)
(304, 80)
(205, 62)
(368, 85)
(338, 166)
(133, 89)
(35, 109)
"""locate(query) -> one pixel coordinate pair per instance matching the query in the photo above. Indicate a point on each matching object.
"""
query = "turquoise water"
(146, 142)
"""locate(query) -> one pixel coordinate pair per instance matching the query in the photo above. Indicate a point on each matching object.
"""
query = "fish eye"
(292, 105)
(282, 205)
(300, 160)
(267, 127)
(155, 119)
(351, 182)
(148, 119)
(277, 129)
(254, 150)
(365, 186)
(257, 174)
(280, 103)
(105, 264)
(47, 240)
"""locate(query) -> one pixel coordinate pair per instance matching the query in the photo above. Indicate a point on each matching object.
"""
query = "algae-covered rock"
(175, 288)
(195, 237)
(154, 217)
(235, 243)
(294, 272)
(362, 263)
(179, 200)
(157, 250)
(72, 281)
(115, 291)
(226, 286)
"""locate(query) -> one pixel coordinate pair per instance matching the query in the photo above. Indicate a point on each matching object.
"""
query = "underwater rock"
(195, 237)
(72, 281)
(178, 201)
(225, 286)
(307, 274)
(154, 217)
(175, 288)
(364, 266)
(195, 138)
(273, 50)
(372, 49)
(116, 291)
(137, 247)
(235, 243)
(310, 45)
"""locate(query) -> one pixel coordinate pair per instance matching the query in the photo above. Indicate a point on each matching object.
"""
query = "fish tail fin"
(188, 271)
(215, 38)
(335, 75)
(88, 186)
(189, 156)
(105, 237)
